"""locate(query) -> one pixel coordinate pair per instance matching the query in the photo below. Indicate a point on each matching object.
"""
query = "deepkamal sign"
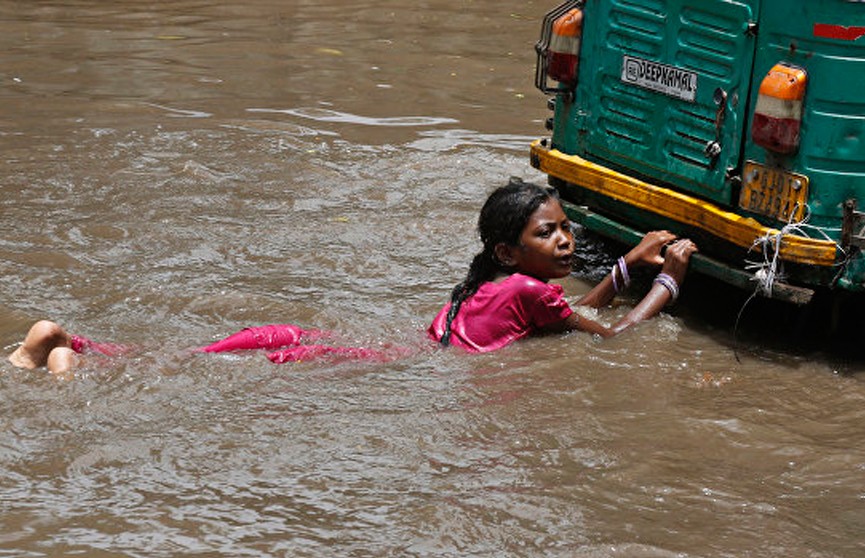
(662, 78)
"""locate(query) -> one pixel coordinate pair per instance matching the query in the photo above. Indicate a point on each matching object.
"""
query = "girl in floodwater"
(527, 240)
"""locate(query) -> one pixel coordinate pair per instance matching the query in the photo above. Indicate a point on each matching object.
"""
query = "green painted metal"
(699, 145)
(657, 134)
(832, 150)
(702, 264)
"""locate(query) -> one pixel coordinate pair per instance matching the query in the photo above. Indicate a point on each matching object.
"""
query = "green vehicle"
(737, 123)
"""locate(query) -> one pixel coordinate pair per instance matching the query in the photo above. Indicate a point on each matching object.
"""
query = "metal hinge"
(853, 226)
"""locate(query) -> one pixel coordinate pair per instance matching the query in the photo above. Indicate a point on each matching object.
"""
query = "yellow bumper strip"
(741, 231)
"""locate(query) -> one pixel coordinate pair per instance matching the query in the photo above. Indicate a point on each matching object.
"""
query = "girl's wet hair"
(503, 218)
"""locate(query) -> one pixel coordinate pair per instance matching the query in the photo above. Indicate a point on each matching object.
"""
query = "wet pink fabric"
(288, 338)
(81, 344)
(310, 352)
(285, 337)
(272, 336)
(500, 313)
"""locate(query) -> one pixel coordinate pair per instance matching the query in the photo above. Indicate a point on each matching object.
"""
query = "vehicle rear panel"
(626, 118)
(832, 147)
(658, 129)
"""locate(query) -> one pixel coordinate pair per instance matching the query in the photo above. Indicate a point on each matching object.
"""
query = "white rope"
(767, 271)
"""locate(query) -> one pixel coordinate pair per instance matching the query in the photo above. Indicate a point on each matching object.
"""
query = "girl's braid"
(502, 220)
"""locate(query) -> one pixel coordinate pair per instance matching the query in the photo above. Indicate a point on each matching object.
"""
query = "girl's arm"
(675, 266)
(646, 253)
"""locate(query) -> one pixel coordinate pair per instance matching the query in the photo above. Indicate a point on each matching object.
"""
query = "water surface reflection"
(173, 172)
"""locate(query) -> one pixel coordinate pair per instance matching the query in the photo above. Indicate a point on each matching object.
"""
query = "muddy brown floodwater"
(174, 171)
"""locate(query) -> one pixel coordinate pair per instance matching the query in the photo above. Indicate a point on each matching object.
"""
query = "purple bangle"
(670, 284)
(623, 269)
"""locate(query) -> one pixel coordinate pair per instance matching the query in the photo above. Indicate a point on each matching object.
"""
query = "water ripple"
(328, 115)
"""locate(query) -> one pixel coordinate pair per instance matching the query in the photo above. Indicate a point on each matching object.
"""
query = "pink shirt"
(500, 313)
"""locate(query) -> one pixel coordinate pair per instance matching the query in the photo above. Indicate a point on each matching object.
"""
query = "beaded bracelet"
(670, 284)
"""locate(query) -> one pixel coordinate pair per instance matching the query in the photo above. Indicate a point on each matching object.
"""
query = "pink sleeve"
(551, 307)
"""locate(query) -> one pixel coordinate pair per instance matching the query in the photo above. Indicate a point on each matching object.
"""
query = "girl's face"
(546, 246)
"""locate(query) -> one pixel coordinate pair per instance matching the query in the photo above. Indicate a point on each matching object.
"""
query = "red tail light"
(564, 53)
(778, 116)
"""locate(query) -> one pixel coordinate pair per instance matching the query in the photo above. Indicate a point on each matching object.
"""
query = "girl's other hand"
(677, 257)
(648, 251)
